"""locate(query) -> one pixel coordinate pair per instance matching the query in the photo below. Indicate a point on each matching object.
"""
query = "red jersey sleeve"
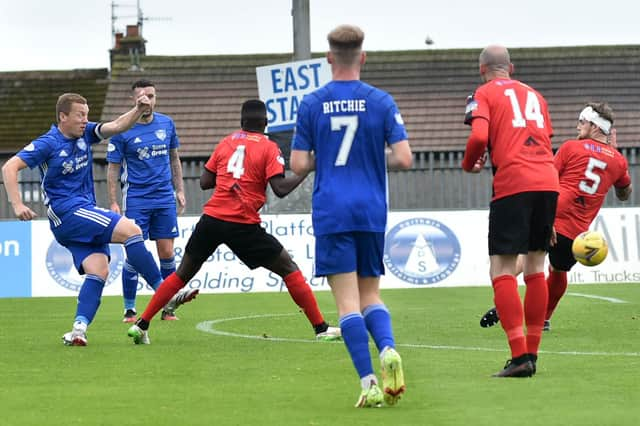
(274, 164)
(625, 178)
(212, 162)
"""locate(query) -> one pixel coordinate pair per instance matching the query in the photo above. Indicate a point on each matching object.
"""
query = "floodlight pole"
(301, 32)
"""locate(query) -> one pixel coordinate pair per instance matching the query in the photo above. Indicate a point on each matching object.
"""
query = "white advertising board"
(423, 249)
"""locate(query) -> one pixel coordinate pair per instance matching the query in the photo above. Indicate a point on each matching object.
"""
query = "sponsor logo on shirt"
(161, 134)
(60, 266)
(143, 153)
(137, 140)
(67, 167)
(111, 147)
(63, 153)
(399, 119)
(421, 251)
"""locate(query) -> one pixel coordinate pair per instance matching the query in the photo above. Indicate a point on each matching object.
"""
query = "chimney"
(131, 44)
(133, 31)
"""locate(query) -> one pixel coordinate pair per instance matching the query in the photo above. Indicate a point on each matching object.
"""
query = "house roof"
(28, 101)
(204, 93)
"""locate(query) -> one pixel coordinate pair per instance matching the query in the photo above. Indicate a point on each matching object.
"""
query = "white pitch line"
(209, 327)
(593, 296)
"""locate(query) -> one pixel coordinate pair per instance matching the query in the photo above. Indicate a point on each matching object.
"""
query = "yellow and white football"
(590, 248)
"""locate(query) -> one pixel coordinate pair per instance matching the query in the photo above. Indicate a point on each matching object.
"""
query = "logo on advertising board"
(61, 268)
(421, 251)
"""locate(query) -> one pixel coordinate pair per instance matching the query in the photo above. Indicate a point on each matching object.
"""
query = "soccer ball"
(590, 248)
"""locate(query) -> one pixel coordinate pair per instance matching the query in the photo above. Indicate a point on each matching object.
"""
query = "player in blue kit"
(64, 158)
(343, 130)
(145, 161)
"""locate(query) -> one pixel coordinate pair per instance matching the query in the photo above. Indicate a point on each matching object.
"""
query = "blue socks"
(142, 261)
(167, 266)
(129, 285)
(89, 298)
(356, 338)
(378, 322)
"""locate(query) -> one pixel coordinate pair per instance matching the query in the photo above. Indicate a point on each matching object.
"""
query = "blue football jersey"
(65, 169)
(348, 124)
(143, 152)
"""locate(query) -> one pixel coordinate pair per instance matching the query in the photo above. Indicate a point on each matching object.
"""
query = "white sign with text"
(282, 86)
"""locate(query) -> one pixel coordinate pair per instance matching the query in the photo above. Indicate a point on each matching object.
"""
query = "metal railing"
(436, 182)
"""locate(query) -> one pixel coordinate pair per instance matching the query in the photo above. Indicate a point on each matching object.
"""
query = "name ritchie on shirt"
(345, 105)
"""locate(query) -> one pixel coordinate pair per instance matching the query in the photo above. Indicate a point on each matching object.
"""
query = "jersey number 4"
(236, 162)
(350, 122)
(532, 110)
(589, 173)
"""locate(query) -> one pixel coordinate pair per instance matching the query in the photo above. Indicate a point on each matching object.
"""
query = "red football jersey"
(519, 136)
(587, 170)
(243, 163)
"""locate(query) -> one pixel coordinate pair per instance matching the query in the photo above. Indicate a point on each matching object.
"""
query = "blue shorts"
(348, 252)
(85, 231)
(156, 224)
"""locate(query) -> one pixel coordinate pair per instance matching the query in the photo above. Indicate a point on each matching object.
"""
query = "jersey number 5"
(351, 124)
(589, 173)
(236, 162)
(531, 109)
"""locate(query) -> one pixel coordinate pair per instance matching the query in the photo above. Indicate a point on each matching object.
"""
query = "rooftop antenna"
(139, 16)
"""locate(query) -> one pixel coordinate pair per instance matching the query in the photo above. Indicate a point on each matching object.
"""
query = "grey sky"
(42, 34)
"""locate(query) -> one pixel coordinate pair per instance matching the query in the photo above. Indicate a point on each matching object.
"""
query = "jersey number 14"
(532, 110)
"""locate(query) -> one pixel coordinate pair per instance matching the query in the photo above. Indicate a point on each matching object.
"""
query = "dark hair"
(603, 109)
(142, 83)
(253, 115)
(65, 101)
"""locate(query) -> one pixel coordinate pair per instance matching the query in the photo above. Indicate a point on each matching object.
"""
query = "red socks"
(557, 285)
(535, 309)
(302, 295)
(509, 306)
(169, 287)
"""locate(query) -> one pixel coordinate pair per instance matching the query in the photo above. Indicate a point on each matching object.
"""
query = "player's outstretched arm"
(10, 177)
(282, 185)
(126, 120)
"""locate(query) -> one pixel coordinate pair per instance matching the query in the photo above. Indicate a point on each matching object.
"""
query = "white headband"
(589, 114)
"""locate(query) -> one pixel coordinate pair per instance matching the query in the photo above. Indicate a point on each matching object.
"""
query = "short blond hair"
(345, 43)
(65, 101)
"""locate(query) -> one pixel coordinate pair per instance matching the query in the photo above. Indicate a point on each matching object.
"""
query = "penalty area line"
(209, 327)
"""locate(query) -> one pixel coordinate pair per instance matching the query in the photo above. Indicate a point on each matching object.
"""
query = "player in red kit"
(240, 168)
(510, 120)
(588, 167)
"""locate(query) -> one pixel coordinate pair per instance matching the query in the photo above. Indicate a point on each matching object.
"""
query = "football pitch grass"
(250, 359)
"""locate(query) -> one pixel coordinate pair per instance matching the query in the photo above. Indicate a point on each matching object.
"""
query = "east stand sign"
(282, 86)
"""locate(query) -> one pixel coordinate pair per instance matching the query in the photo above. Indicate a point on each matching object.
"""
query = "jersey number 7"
(350, 122)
